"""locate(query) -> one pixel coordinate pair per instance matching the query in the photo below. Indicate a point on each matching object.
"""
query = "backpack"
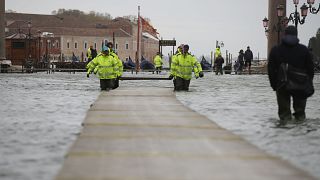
(296, 81)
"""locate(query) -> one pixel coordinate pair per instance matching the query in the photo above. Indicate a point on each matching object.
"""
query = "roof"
(147, 35)
(68, 25)
(17, 36)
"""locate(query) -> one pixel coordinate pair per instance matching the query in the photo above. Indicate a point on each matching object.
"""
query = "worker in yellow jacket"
(174, 64)
(119, 68)
(183, 65)
(105, 66)
(158, 63)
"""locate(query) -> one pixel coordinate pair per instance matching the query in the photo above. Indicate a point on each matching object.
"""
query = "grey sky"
(200, 23)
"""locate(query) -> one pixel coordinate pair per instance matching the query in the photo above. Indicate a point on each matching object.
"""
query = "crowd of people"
(109, 68)
(243, 61)
(290, 71)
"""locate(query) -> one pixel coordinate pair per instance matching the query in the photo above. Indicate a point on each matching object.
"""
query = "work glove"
(171, 77)
(88, 75)
(201, 74)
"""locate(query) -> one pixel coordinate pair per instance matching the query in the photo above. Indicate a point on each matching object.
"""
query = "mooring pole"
(2, 30)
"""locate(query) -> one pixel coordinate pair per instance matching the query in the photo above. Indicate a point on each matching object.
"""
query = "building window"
(95, 45)
(116, 46)
(127, 46)
(49, 45)
(85, 45)
(18, 45)
(76, 45)
(57, 44)
(68, 45)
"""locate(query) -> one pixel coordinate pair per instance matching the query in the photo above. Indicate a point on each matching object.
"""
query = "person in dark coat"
(298, 56)
(218, 64)
(248, 56)
(240, 61)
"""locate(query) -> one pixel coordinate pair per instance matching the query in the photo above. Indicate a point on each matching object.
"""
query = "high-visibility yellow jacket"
(89, 64)
(104, 65)
(89, 54)
(185, 65)
(158, 61)
(217, 52)
(174, 64)
(119, 67)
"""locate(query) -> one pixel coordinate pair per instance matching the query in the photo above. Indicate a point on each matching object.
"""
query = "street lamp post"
(282, 21)
(47, 53)
(313, 10)
(39, 45)
(280, 14)
(221, 44)
(29, 39)
(295, 17)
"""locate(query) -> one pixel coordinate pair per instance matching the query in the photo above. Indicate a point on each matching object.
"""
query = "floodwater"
(41, 115)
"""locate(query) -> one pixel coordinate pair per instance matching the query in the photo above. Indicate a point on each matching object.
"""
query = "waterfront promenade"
(146, 133)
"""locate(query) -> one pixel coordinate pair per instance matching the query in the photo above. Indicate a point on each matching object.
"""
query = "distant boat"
(5, 65)
(129, 64)
(205, 65)
(146, 65)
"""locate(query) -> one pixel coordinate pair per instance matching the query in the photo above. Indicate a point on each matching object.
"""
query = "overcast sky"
(199, 23)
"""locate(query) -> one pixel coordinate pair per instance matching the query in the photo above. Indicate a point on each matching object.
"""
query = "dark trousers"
(181, 84)
(284, 105)
(248, 65)
(106, 84)
(115, 83)
(158, 70)
(219, 70)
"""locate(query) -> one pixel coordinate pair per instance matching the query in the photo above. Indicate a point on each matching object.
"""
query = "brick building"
(59, 37)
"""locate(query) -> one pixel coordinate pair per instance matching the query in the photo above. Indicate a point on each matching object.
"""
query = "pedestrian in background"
(158, 63)
(240, 62)
(218, 64)
(217, 52)
(248, 57)
(91, 53)
(294, 56)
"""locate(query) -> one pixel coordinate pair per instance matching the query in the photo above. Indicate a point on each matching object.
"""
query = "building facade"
(58, 38)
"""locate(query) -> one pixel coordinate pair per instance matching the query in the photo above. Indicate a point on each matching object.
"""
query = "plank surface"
(147, 134)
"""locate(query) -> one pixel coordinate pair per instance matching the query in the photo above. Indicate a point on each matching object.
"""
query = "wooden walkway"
(147, 134)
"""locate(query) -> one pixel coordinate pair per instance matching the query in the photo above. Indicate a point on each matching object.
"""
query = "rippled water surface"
(41, 114)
